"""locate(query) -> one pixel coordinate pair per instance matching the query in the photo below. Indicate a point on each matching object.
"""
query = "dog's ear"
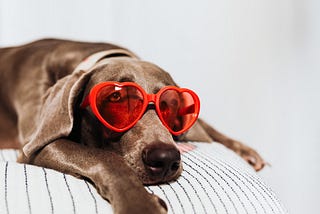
(55, 112)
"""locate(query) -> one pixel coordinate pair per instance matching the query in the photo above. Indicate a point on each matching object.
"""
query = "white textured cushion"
(214, 180)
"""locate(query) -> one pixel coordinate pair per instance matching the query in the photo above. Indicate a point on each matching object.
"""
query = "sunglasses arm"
(187, 110)
(85, 102)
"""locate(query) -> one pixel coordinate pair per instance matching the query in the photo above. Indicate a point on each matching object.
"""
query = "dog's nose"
(161, 160)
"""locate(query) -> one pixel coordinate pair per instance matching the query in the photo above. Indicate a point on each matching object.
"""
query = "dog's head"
(148, 147)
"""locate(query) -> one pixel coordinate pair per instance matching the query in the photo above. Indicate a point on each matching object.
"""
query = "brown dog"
(41, 92)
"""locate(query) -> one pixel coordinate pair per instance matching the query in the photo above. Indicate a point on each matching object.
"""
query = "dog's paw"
(147, 204)
(247, 153)
(158, 201)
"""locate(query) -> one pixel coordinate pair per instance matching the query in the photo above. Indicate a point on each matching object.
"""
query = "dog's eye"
(114, 97)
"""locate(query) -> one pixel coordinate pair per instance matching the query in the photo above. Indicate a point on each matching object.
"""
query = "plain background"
(254, 64)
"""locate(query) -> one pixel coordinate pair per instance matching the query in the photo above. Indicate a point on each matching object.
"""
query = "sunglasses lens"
(177, 109)
(120, 106)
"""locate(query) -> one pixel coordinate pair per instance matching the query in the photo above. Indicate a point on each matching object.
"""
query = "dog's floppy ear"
(55, 115)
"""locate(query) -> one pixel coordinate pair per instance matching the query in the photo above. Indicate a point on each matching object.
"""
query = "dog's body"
(116, 164)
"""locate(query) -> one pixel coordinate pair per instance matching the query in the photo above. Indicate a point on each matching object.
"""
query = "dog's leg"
(204, 132)
(107, 171)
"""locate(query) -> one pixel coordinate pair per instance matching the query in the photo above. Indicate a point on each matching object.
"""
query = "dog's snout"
(161, 160)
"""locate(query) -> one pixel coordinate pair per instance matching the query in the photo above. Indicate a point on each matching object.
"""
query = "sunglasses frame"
(90, 100)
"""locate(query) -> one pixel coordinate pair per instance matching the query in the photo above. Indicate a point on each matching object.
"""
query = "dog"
(44, 112)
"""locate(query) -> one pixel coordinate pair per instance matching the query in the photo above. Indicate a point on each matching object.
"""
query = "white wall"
(255, 65)
(23, 21)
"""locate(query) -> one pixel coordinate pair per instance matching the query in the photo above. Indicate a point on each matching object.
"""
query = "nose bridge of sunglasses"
(151, 98)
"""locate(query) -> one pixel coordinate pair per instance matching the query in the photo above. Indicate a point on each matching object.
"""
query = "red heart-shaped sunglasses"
(119, 106)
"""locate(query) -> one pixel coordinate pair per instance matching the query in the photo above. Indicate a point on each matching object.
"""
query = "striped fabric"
(214, 180)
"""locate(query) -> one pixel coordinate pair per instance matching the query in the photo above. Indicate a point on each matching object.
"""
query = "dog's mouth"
(154, 175)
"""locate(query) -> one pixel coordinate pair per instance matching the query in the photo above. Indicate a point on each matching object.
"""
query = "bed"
(214, 180)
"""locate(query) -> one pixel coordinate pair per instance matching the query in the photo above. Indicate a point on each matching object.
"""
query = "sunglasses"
(119, 106)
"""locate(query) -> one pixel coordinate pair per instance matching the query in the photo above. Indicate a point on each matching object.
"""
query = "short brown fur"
(111, 162)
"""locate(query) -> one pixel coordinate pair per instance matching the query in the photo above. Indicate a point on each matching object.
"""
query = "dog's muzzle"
(162, 161)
